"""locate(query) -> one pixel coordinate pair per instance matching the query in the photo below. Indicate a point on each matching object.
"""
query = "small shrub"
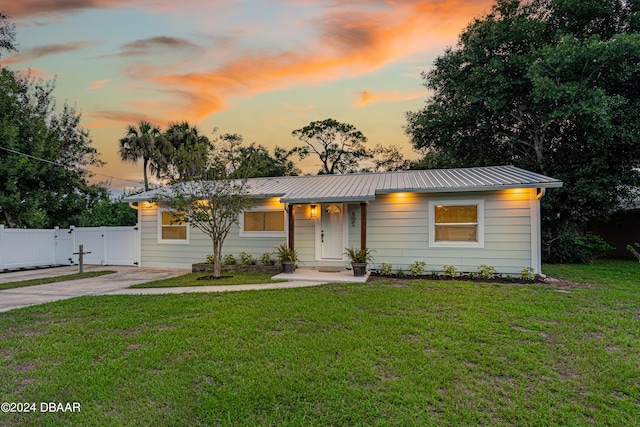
(471, 275)
(400, 273)
(594, 246)
(486, 271)
(246, 259)
(386, 269)
(417, 268)
(210, 259)
(508, 278)
(450, 270)
(266, 259)
(634, 251)
(229, 259)
(569, 247)
(434, 274)
(527, 274)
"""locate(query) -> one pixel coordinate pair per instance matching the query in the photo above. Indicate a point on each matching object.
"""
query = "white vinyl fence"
(22, 248)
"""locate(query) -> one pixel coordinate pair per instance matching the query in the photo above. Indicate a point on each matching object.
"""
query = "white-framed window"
(456, 223)
(262, 223)
(172, 227)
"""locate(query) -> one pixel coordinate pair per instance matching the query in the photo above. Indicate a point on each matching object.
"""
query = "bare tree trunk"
(217, 261)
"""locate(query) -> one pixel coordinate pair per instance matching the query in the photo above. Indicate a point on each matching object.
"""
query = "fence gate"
(108, 245)
(23, 248)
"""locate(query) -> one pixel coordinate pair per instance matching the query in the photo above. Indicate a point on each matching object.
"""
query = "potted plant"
(359, 259)
(287, 257)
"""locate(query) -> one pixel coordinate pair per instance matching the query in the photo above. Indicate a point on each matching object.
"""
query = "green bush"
(229, 260)
(417, 268)
(527, 274)
(386, 269)
(450, 270)
(246, 259)
(569, 247)
(486, 271)
(266, 259)
(400, 273)
(634, 251)
(210, 259)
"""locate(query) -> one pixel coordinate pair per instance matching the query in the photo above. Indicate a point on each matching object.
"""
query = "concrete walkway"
(111, 284)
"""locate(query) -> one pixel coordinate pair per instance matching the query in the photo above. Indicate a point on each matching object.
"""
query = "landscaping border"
(253, 268)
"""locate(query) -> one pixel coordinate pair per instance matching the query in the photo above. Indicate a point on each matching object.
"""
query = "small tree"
(211, 203)
(339, 146)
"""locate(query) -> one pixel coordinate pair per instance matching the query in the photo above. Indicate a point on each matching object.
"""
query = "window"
(172, 227)
(457, 223)
(262, 223)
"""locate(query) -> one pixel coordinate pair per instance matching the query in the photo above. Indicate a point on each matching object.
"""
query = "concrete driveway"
(109, 283)
(113, 284)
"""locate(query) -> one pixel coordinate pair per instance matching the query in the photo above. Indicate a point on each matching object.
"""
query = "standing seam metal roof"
(365, 186)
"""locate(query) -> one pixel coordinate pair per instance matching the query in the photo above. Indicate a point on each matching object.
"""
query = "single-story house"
(460, 217)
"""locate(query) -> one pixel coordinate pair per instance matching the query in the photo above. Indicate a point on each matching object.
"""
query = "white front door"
(331, 232)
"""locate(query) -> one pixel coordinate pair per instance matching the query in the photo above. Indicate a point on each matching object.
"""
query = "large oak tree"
(547, 85)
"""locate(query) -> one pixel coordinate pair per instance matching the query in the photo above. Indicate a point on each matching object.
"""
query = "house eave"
(318, 200)
(555, 184)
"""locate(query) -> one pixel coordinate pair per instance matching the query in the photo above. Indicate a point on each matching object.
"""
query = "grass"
(191, 279)
(45, 280)
(422, 353)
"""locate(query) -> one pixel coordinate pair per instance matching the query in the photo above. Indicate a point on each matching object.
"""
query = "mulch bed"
(561, 284)
(213, 277)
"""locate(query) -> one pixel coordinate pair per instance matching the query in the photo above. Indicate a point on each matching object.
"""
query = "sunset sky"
(257, 68)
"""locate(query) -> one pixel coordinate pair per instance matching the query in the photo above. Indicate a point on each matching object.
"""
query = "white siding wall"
(398, 230)
(173, 255)
(304, 236)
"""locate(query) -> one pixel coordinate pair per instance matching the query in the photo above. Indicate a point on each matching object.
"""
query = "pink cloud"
(97, 84)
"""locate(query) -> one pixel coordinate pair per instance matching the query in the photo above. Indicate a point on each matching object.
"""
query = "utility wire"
(62, 166)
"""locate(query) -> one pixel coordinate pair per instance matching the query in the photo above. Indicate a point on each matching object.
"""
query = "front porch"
(322, 232)
(312, 275)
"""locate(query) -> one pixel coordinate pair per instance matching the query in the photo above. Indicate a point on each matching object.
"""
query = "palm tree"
(185, 152)
(142, 142)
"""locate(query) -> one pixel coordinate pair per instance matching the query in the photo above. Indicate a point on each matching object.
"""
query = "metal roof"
(365, 186)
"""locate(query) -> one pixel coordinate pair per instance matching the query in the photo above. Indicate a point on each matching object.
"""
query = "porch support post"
(363, 225)
(291, 226)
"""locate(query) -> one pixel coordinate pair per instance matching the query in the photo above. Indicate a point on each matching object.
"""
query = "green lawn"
(45, 280)
(191, 279)
(420, 353)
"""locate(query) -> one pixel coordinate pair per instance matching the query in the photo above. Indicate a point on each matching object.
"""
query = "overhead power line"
(62, 166)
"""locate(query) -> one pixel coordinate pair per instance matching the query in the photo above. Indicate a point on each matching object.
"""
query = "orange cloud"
(349, 42)
(97, 124)
(300, 110)
(368, 97)
(98, 84)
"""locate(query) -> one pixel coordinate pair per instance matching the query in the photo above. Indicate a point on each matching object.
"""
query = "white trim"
(536, 245)
(457, 202)
(171, 241)
(345, 232)
(259, 234)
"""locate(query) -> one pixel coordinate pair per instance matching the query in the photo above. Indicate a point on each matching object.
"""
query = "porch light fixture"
(313, 212)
